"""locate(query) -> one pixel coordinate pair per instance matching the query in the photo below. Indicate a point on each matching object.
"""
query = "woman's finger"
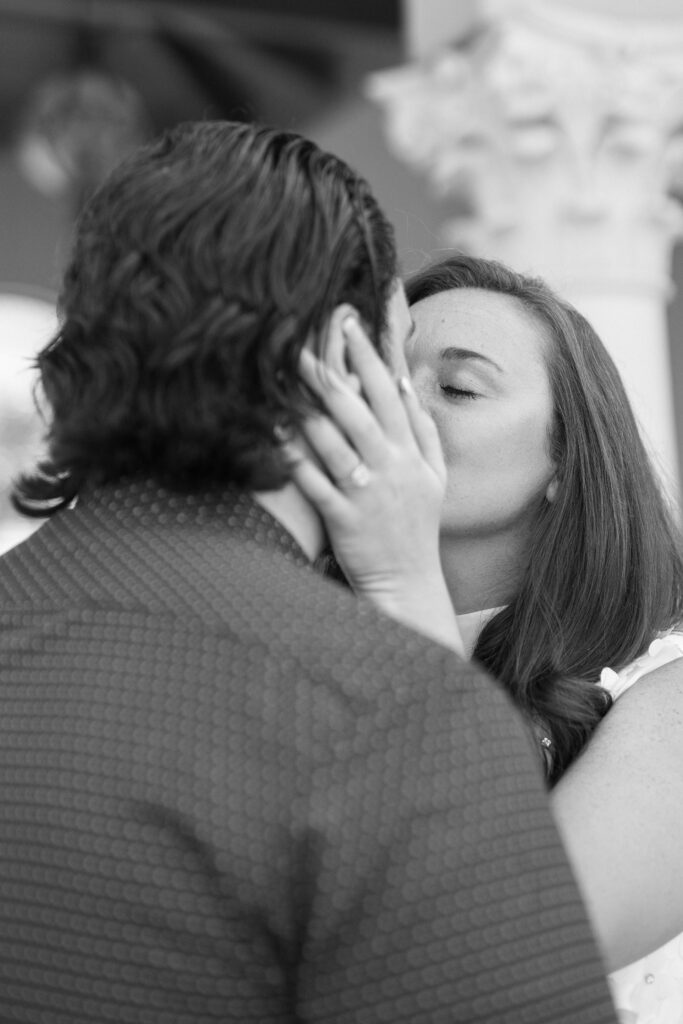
(376, 380)
(347, 409)
(424, 428)
(338, 457)
(313, 483)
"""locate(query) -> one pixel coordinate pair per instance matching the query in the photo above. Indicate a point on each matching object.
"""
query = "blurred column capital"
(552, 124)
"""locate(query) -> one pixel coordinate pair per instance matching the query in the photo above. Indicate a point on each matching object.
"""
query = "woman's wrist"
(423, 603)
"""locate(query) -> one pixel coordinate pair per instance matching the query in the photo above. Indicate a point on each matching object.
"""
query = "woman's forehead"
(494, 325)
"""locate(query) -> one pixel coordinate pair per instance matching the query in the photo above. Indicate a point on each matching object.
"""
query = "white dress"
(471, 625)
(649, 991)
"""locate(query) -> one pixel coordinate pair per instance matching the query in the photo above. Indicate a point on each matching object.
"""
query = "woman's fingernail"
(404, 386)
(291, 453)
(349, 323)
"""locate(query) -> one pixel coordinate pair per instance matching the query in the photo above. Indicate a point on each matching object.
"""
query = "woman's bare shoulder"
(619, 804)
(651, 709)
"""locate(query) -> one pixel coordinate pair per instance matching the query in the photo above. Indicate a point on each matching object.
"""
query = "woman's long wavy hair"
(200, 269)
(605, 572)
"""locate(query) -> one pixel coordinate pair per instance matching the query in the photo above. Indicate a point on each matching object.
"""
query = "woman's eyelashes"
(453, 392)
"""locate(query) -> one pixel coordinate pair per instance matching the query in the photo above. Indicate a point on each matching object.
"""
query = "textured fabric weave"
(229, 791)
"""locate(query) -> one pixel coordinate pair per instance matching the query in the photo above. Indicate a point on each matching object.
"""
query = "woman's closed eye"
(452, 392)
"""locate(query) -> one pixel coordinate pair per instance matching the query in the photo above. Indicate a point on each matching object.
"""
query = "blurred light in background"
(76, 127)
(82, 82)
(27, 322)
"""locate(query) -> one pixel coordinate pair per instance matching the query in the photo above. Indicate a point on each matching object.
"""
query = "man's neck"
(298, 517)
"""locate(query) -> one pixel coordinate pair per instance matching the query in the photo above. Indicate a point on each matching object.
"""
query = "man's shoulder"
(299, 607)
(246, 595)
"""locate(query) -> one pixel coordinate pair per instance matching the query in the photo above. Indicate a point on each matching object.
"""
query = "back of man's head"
(200, 268)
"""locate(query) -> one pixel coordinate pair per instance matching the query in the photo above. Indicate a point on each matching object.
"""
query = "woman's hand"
(376, 475)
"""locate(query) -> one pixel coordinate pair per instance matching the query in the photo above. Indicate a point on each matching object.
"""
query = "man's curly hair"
(200, 268)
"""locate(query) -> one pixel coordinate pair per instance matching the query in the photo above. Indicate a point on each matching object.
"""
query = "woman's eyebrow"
(455, 354)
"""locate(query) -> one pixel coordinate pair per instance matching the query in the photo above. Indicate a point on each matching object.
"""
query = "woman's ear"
(333, 349)
(552, 490)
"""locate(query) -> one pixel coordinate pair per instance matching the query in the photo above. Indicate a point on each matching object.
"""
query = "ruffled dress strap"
(667, 647)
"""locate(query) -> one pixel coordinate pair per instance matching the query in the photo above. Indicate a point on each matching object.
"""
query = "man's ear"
(333, 347)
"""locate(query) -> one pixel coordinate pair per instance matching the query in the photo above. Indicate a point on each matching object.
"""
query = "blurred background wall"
(82, 81)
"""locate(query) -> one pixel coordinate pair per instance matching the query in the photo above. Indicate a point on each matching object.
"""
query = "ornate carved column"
(562, 132)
